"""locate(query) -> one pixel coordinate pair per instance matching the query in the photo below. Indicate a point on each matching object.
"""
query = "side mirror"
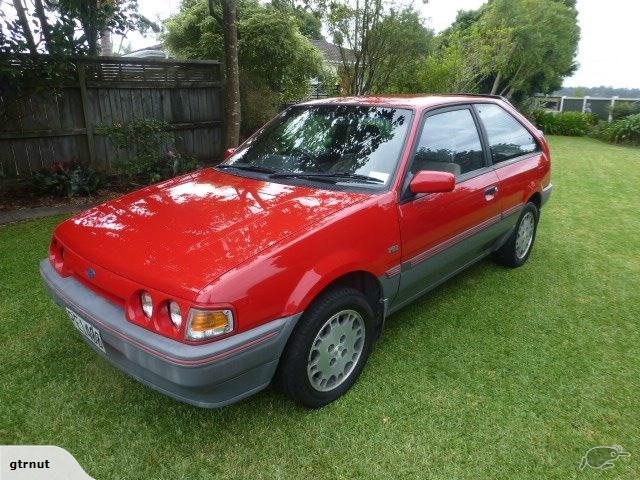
(229, 152)
(427, 181)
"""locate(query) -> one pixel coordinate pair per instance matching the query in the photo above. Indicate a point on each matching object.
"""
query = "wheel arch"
(362, 280)
(365, 282)
(536, 199)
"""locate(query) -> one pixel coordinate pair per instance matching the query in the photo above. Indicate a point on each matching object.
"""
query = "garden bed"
(25, 200)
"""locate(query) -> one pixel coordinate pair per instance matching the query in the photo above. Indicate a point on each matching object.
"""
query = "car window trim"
(519, 158)
(364, 188)
(404, 198)
(512, 160)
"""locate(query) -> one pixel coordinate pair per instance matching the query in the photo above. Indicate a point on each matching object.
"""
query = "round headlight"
(175, 314)
(147, 304)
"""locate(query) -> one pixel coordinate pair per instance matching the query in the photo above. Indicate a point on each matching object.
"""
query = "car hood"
(180, 235)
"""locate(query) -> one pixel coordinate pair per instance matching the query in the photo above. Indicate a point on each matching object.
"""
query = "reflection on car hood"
(180, 235)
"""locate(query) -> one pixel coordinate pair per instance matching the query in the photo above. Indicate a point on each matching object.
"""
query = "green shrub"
(259, 105)
(66, 179)
(151, 156)
(565, 123)
(530, 107)
(626, 130)
(624, 109)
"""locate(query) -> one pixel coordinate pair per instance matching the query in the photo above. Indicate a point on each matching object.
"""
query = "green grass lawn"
(501, 374)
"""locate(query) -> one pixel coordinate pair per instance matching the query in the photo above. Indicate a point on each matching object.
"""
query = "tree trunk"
(86, 20)
(496, 84)
(92, 42)
(44, 25)
(24, 24)
(106, 45)
(232, 72)
(509, 93)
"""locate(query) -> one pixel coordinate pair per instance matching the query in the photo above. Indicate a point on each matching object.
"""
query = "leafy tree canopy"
(382, 44)
(276, 60)
(514, 47)
(309, 21)
(67, 27)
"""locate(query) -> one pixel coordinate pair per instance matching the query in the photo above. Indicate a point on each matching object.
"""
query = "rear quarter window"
(507, 136)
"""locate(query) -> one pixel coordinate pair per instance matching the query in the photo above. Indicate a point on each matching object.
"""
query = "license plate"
(88, 330)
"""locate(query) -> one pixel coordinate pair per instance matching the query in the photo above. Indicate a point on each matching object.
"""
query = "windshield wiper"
(247, 167)
(332, 177)
(354, 176)
(327, 177)
(317, 177)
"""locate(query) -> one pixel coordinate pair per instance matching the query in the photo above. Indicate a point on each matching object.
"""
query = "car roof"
(410, 101)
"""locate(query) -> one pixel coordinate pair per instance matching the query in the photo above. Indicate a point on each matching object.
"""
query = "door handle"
(490, 192)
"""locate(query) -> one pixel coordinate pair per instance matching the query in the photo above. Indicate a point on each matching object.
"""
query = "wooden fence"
(40, 130)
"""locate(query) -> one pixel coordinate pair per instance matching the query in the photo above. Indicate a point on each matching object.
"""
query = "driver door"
(444, 232)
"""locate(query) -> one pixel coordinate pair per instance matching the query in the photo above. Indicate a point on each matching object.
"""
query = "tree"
(97, 17)
(405, 44)
(232, 72)
(379, 44)
(580, 92)
(70, 27)
(544, 40)
(525, 46)
(23, 22)
(352, 26)
(454, 67)
(309, 22)
(275, 60)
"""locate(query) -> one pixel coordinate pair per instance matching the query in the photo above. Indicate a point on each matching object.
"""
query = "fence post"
(613, 103)
(86, 110)
(584, 103)
(562, 103)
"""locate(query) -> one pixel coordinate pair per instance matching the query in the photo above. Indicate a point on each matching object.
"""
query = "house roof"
(156, 50)
(330, 51)
(157, 46)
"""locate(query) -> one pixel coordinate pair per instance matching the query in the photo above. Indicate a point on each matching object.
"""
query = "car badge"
(91, 273)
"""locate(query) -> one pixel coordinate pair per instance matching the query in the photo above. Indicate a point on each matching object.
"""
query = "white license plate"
(88, 330)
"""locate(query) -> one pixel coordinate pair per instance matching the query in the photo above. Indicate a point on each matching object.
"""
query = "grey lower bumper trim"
(546, 193)
(209, 375)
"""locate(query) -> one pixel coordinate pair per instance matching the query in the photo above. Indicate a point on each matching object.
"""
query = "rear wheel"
(328, 349)
(517, 249)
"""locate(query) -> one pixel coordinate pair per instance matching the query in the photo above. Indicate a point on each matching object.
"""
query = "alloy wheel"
(336, 349)
(524, 238)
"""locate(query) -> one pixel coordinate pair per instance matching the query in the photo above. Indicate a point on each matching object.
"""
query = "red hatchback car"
(283, 262)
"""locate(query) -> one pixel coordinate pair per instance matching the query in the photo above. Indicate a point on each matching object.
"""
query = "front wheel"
(328, 349)
(515, 252)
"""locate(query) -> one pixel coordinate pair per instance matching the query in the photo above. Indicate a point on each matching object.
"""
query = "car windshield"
(334, 143)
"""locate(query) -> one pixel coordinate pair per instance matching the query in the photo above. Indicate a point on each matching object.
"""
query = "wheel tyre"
(292, 375)
(507, 254)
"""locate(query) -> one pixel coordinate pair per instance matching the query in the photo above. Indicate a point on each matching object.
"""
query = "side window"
(450, 143)
(507, 137)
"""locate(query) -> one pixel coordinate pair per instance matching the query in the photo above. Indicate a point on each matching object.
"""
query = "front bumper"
(209, 375)
(546, 194)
